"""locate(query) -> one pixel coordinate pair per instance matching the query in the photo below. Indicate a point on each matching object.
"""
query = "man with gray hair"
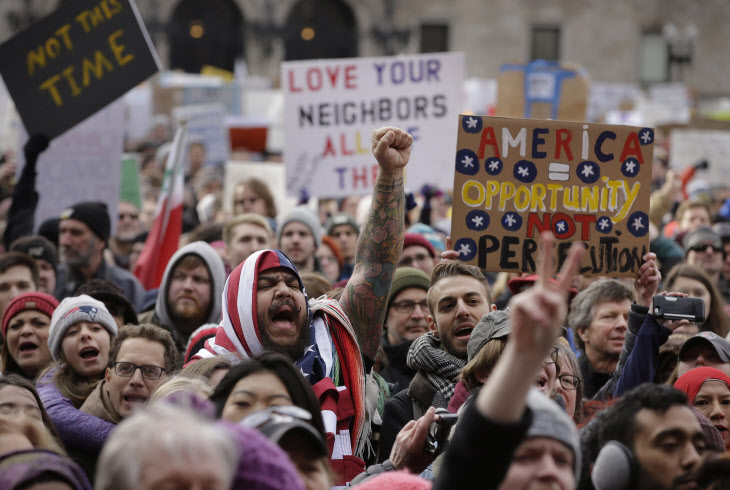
(599, 317)
(166, 446)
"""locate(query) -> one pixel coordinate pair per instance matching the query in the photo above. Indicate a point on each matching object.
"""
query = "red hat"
(45, 303)
(418, 239)
(519, 284)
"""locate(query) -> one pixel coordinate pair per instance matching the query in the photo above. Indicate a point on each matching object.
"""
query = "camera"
(438, 432)
(678, 308)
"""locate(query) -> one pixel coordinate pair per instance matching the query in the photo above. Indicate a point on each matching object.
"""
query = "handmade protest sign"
(542, 89)
(331, 107)
(516, 178)
(77, 60)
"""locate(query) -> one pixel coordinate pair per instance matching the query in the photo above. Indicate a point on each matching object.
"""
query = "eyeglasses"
(569, 381)
(407, 306)
(128, 215)
(407, 261)
(703, 247)
(127, 370)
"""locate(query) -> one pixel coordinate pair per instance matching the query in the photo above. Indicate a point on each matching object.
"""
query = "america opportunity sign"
(515, 178)
(77, 60)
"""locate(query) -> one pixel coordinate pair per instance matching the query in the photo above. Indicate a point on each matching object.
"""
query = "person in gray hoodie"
(190, 292)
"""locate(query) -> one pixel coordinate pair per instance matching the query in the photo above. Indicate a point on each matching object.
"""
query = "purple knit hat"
(263, 464)
(22, 468)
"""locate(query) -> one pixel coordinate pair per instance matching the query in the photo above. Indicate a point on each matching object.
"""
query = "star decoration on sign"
(630, 166)
(646, 136)
(494, 165)
(510, 220)
(637, 224)
(560, 226)
(587, 170)
(478, 221)
(464, 249)
(468, 161)
(523, 171)
(471, 123)
(603, 223)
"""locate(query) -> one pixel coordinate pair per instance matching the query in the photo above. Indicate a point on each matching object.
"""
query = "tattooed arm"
(381, 241)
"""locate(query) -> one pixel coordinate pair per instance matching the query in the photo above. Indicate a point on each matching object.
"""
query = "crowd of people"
(342, 343)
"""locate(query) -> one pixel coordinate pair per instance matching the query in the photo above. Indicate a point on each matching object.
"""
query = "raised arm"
(381, 241)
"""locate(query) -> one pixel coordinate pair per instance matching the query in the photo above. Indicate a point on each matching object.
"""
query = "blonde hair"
(198, 385)
(482, 364)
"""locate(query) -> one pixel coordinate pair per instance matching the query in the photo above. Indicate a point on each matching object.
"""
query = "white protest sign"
(83, 164)
(331, 107)
(270, 172)
(206, 124)
(607, 97)
(689, 146)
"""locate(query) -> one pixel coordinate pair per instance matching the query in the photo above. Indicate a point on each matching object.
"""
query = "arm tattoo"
(378, 250)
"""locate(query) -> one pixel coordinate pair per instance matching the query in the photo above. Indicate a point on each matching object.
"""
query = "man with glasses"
(406, 320)
(139, 359)
(418, 253)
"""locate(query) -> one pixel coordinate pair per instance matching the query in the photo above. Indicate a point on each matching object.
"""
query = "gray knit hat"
(72, 311)
(549, 420)
(342, 219)
(494, 325)
(302, 214)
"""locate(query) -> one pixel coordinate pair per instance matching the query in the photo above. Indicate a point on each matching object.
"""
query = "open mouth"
(134, 400)
(28, 347)
(464, 332)
(723, 430)
(89, 353)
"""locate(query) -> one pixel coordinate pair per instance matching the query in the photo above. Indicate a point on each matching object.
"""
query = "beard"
(81, 258)
(293, 348)
(188, 313)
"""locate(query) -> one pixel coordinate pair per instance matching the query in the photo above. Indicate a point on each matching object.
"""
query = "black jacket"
(397, 371)
(480, 451)
(399, 410)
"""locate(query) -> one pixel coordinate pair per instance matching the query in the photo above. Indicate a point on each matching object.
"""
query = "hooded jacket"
(217, 271)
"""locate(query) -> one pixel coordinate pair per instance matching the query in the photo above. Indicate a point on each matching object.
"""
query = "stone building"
(621, 41)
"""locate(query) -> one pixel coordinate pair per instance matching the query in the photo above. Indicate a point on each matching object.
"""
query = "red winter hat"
(45, 303)
(418, 239)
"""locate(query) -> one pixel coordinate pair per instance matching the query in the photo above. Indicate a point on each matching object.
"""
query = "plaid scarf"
(442, 369)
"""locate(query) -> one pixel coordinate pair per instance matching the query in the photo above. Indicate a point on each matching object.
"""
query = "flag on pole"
(164, 237)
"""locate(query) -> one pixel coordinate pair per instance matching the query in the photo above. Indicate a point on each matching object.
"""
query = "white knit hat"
(73, 310)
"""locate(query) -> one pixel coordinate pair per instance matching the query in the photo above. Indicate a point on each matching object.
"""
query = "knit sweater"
(78, 430)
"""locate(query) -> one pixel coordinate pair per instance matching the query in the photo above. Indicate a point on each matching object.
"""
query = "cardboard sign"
(332, 106)
(542, 90)
(77, 60)
(83, 165)
(206, 124)
(516, 178)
